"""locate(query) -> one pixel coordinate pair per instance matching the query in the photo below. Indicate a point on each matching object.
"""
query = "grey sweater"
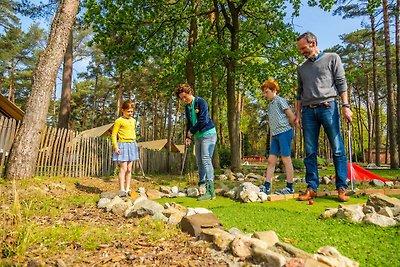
(322, 80)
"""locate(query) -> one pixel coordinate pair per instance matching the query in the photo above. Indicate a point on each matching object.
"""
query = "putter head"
(350, 193)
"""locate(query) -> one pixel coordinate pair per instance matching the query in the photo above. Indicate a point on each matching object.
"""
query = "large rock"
(143, 208)
(380, 220)
(269, 237)
(379, 201)
(219, 237)
(351, 212)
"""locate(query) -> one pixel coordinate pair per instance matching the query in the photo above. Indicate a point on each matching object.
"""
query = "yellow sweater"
(123, 131)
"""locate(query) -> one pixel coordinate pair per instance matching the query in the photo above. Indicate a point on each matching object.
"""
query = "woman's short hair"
(183, 88)
(270, 84)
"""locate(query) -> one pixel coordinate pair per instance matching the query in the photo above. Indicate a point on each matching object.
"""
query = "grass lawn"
(298, 223)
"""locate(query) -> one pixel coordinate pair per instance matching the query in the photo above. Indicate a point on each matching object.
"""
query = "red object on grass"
(361, 174)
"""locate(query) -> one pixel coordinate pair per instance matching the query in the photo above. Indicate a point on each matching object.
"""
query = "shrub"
(298, 164)
(225, 157)
(322, 162)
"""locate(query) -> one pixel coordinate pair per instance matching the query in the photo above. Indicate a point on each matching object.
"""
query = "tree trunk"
(120, 87)
(231, 61)
(398, 73)
(214, 115)
(24, 154)
(391, 118)
(377, 120)
(65, 106)
(11, 92)
(189, 68)
(169, 134)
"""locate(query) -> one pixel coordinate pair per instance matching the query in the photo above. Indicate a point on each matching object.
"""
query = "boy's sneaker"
(285, 191)
(264, 190)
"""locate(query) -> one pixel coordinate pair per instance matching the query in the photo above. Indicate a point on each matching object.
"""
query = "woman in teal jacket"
(201, 128)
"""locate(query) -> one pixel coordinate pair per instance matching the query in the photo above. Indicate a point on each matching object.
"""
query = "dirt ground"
(179, 250)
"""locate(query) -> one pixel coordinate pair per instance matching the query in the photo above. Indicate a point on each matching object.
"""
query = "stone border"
(395, 191)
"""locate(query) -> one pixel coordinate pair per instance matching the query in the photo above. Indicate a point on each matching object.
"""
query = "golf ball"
(311, 202)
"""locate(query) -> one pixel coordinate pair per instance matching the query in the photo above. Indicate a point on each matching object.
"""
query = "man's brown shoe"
(309, 194)
(342, 195)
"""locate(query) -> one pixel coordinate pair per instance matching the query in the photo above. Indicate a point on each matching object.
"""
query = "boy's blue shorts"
(281, 144)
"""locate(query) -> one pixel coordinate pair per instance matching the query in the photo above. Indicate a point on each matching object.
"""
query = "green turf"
(298, 223)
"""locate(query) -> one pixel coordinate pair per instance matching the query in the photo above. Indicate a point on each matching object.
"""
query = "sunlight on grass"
(299, 223)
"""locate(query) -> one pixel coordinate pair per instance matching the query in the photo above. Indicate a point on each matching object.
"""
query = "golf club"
(184, 159)
(183, 164)
(352, 192)
(141, 168)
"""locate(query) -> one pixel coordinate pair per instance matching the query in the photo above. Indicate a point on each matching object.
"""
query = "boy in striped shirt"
(280, 118)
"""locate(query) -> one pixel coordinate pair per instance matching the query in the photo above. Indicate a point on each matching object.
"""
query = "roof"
(104, 130)
(159, 144)
(10, 110)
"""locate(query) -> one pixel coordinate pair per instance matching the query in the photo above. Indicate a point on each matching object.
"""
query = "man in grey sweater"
(321, 79)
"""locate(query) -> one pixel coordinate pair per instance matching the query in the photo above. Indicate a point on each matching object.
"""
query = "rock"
(109, 195)
(193, 211)
(326, 180)
(380, 200)
(380, 220)
(386, 211)
(329, 213)
(351, 212)
(219, 237)
(113, 202)
(377, 182)
(175, 190)
(269, 237)
(143, 208)
(268, 257)
(332, 257)
(240, 248)
(368, 209)
(165, 189)
(120, 207)
(291, 250)
(249, 196)
(102, 204)
(154, 194)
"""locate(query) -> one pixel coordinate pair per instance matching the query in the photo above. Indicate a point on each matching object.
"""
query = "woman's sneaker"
(285, 191)
(264, 190)
(202, 189)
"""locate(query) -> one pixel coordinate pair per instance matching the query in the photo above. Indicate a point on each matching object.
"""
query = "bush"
(298, 164)
(225, 157)
(322, 162)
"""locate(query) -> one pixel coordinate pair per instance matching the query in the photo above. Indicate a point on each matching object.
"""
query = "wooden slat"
(39, 164)
(61, 161)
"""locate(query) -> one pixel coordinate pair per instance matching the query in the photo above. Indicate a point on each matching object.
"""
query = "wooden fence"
(64, 152)
(8, 128)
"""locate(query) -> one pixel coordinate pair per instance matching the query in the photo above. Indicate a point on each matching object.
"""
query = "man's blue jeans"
(204, 151)
(328, 117)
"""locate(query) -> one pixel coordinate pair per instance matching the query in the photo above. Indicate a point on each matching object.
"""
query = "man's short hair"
(309, 36)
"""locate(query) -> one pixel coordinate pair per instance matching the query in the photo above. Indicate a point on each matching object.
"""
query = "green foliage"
(16, 232)
(322, 162)
(225, 157)
(298, 164)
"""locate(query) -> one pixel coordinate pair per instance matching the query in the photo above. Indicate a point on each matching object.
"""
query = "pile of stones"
(260, 247)
(379, 210)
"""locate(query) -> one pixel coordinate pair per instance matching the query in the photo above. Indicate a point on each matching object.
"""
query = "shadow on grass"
(88, 189)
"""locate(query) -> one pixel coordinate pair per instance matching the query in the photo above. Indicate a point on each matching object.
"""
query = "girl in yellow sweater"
(125, 147)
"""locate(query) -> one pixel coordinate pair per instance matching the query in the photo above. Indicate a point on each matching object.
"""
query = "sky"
(324, 25)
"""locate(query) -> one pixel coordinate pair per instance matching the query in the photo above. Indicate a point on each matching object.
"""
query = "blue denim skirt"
(129, 152)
